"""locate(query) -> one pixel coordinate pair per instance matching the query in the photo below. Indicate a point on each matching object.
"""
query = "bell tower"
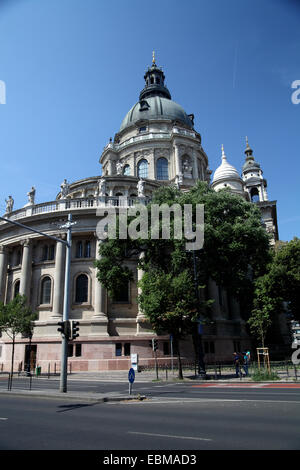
(256, 188)
(255, 184)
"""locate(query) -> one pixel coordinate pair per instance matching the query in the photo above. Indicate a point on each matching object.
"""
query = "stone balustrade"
(74, 204)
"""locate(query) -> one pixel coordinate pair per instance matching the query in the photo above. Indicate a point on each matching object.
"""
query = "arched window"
(126, 171)
(16, 288)
(45, 291)
(81, 288)
(254, 195)
(143, 169)
(162, 169)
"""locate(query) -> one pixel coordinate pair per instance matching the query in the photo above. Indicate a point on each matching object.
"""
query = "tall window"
(83, 249)
(87, 249)
(126, 171)
(143, 169)
(16, 288)
(81, 288)
(162, 169)
(46, 291)
(79, 249)
(48, 252)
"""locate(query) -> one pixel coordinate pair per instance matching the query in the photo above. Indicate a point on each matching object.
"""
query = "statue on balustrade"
(31, 197)
(102, 187)
(65, 187)
(141, 188)
(9, 204)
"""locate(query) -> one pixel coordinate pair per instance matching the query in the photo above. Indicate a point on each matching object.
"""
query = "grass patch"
(263, 375)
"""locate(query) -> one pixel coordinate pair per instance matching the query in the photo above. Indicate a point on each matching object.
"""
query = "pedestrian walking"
(246, 357)
(237, 361)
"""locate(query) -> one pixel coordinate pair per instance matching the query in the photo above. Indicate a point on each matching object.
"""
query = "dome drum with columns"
(156, 145)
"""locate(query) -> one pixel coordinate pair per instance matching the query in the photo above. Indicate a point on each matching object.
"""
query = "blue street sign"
(131, 375)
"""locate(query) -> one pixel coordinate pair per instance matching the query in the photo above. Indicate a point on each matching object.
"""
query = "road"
(182, 416)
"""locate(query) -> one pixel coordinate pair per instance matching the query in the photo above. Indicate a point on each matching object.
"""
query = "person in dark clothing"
(237, 362)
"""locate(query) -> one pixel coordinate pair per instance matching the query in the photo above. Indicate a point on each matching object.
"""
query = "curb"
(71, 396)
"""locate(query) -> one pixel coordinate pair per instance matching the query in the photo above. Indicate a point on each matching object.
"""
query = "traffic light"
(64, 328)
(74, 329)
(154, 344)
(61, 328)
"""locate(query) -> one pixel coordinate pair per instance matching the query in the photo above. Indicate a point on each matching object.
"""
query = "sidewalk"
(122, 377)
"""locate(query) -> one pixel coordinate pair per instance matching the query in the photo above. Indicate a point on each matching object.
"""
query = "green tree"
(16, 318)
(235, 253)
(280, 283)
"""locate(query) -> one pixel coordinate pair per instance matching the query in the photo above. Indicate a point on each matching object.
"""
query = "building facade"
(156, 145)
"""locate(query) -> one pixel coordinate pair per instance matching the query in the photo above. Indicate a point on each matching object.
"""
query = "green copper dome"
(156, 107)
(155, 102)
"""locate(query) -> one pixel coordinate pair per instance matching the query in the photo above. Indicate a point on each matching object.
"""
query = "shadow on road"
(74, 406)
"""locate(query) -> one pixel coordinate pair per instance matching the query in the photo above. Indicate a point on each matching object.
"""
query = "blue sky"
(73, 68)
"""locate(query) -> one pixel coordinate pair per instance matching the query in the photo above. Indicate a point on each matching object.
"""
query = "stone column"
(195, 165)
(99, 322)
(100, 310)
(140, 319)
(3, 272)
(214, 294)
(178, 170)
(26, 269)
(59, 276)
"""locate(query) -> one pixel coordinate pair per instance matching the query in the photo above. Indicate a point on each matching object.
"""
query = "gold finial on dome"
(153, 57)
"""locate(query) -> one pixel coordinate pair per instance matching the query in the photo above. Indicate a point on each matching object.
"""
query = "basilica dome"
(156, 107)
(155, 102)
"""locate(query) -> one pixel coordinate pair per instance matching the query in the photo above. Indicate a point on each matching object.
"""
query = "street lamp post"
(201, 364)
(68, 244)
(66, 308)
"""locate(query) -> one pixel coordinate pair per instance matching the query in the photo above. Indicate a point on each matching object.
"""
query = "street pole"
(68, 243)
(66, 308)
(201, 365)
